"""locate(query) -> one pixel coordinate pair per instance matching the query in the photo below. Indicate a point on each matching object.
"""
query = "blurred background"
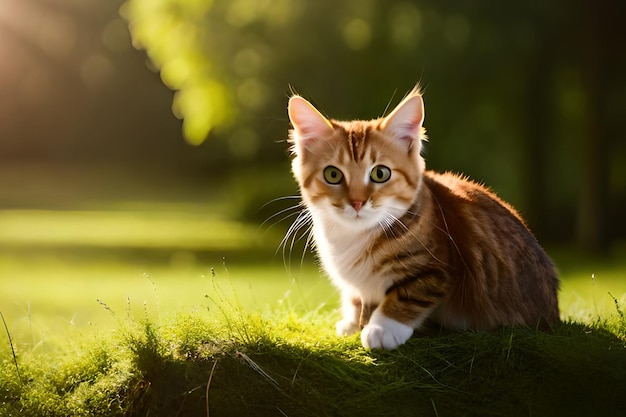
(525, 97)
(154, 130)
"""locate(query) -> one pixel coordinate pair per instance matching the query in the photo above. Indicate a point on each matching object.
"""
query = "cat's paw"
(384, 333)
(346, 327)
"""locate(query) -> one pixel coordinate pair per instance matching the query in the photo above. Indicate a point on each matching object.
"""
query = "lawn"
(145, 311)
(63, 269)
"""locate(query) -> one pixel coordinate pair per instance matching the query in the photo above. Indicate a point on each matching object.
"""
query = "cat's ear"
(308, 123)
(404, 124)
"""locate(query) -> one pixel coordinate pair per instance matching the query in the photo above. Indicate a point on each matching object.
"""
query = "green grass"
(175, 322)
(588, 285)
(283, 363)
(157, 226)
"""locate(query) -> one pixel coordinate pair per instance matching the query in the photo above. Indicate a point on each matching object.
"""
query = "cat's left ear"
(308, 123)
(404, 124)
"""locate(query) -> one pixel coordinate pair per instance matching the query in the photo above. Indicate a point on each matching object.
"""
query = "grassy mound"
(281, 363)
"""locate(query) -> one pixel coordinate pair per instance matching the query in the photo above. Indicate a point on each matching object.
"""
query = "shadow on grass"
(577, 371)
(285, 365)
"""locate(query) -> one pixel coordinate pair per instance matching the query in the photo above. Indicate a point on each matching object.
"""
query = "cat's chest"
(348, 260)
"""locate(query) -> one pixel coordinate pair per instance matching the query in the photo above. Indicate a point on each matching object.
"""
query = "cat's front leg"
(383, 332)
(351, 312)
(404, 309)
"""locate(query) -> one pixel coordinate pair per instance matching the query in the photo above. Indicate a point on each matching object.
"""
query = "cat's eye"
(380, 174)
(332, 175)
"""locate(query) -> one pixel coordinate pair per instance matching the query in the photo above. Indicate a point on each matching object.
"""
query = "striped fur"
(420, 245)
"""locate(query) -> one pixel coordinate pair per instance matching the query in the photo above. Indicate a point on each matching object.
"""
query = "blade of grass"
(17, 368)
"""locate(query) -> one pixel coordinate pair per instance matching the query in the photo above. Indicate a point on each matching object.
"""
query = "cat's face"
(358, 174)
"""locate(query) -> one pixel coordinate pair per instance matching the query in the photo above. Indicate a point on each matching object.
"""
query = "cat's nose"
(357, 204)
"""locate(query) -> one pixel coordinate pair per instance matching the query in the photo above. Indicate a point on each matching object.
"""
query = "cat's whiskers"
(428, 220)
(309, 241)
(386, 223)
(413, 235)
(298, 206)
(304, 219)
(447, 231)
(285, 197)
(383, 222)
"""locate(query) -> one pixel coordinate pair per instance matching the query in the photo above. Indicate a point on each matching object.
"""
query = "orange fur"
(417, 245)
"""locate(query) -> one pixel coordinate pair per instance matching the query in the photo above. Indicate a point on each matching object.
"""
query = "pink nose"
(357, 204)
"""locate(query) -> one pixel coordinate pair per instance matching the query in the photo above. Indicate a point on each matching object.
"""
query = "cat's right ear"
(404, 124)
(308, 123)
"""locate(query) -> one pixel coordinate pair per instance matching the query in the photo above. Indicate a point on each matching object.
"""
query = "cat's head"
(359, 174)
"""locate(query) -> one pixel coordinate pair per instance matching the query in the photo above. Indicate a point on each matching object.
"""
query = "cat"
(404, 244)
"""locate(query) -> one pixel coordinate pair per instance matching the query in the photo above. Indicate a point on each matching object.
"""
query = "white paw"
(346, 327)
(384, 333)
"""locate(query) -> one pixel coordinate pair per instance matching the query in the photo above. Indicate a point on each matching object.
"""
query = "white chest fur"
(345, 255)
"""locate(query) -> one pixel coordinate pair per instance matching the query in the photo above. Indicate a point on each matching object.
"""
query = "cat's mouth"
(362, 214)
(348, 216)
(356, 212)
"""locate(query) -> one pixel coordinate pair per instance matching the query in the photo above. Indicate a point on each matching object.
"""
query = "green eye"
(380, 174)
(332, 175)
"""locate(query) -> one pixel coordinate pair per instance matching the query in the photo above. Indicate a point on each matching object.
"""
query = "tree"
(498, 81)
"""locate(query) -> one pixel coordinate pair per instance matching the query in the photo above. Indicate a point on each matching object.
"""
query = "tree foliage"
(511, 95)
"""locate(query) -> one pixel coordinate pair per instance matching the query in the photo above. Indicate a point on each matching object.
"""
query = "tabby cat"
(404, 244)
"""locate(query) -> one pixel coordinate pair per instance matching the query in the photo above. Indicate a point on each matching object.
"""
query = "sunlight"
(38, 26)
(34, 40)
(132, 229)
(44, 42)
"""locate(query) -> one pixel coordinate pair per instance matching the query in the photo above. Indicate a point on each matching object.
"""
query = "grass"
(283, 363)
(179, 332)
